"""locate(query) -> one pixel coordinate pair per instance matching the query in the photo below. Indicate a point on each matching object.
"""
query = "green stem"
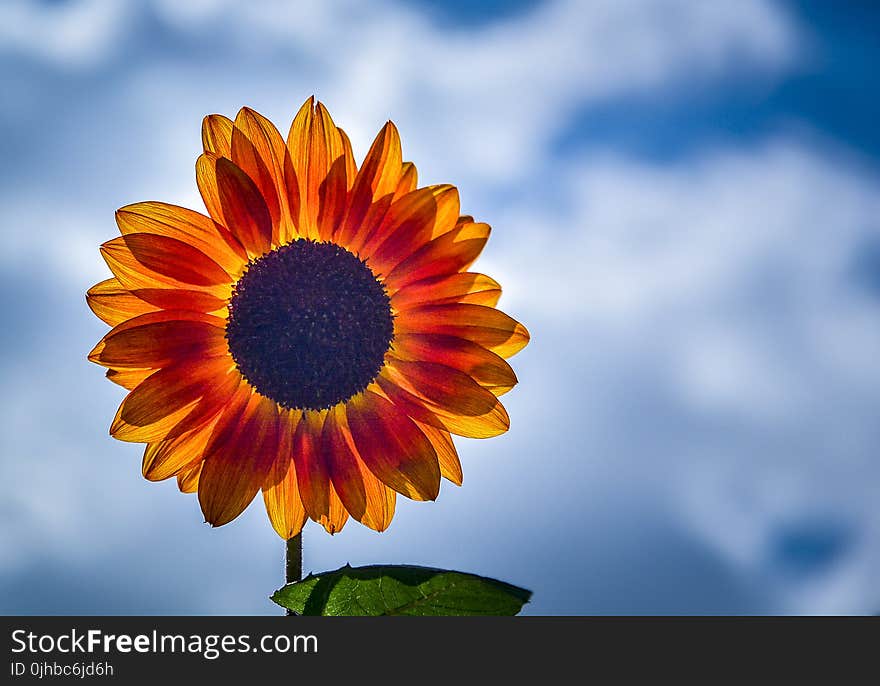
(293, 561)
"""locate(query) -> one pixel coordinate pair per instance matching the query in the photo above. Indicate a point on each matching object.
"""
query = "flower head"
(317, 337)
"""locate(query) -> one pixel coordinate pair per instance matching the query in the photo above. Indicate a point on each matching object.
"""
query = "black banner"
(241, 649)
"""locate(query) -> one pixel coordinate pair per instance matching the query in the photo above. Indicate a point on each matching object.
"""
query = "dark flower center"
(309, 325)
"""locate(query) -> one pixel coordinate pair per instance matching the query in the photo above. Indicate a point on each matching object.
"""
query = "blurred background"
(686, 208)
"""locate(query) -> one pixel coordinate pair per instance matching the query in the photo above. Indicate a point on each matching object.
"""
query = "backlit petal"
(217, 135)
(164, 459)
(260, 151)
(453, 251)
(128, 378)
(312, 475)
(409, 224)
(447, 455)
(409, 180)
(483, 325)
(280, 490)
(365, 497)
(485, 367)
(465, 287)
(172, 388)
(234, 200)
(336, 516)
(138, 262)
(185, 225)
(113, 303)
(378, 177)
(446, 387)
(409, 400)
(157, 339)
(238, 457)
(188, 479)
(317, 151)
(393, 447)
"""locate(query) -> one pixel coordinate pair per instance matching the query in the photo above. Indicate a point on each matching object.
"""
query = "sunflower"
(316, 337)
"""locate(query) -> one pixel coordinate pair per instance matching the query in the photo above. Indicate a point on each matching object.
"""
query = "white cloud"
(76, 35)
(485, 100)
(712, 292)
(728, 282)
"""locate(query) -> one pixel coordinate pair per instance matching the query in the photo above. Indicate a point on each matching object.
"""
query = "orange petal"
(238, 457)
(236, 202)
(465, 287)
(182, 420)
(166, 458)
(136, 271)
(350, 164)
(393, 447)
(199, 231)
(366, 498)
(113, 303)
(224, 387)
(280, 491)
(336, 516)
(483, 325)
(259, 150)
(188, 479)
(217, 135)
(379, 176)
(179, 299)
(485, 367)
(446, 387)
(333, 196)
(312, 475)
(316, 148)
(172, 388)
(409, 224)
(409, 180)
(151, 433)
(408, 400)
(174, 259)
(450, 466)
(453, 251)
(157, 339)
(128, 378)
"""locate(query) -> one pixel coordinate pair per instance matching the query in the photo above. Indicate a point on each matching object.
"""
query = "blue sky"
(686, 209)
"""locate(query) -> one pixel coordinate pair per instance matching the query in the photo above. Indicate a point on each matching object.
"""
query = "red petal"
(409, 224)
(366, 498)
(164, 459)
(485, 367)
(447, 455)
(407, 398)
(446, 387)
(379, 176)
(259, 150)
(280, 491)
(483, 325)
(238, 457)
(465, 287)
(158, 339)
(312, 474)
(409, 180)
(318, 154)
(113, 303)
(453, 251)
(236, 202)
(172, 388)
(393, 447)
(185, 225)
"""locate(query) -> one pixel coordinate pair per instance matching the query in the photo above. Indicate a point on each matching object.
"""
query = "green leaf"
(400, 590)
